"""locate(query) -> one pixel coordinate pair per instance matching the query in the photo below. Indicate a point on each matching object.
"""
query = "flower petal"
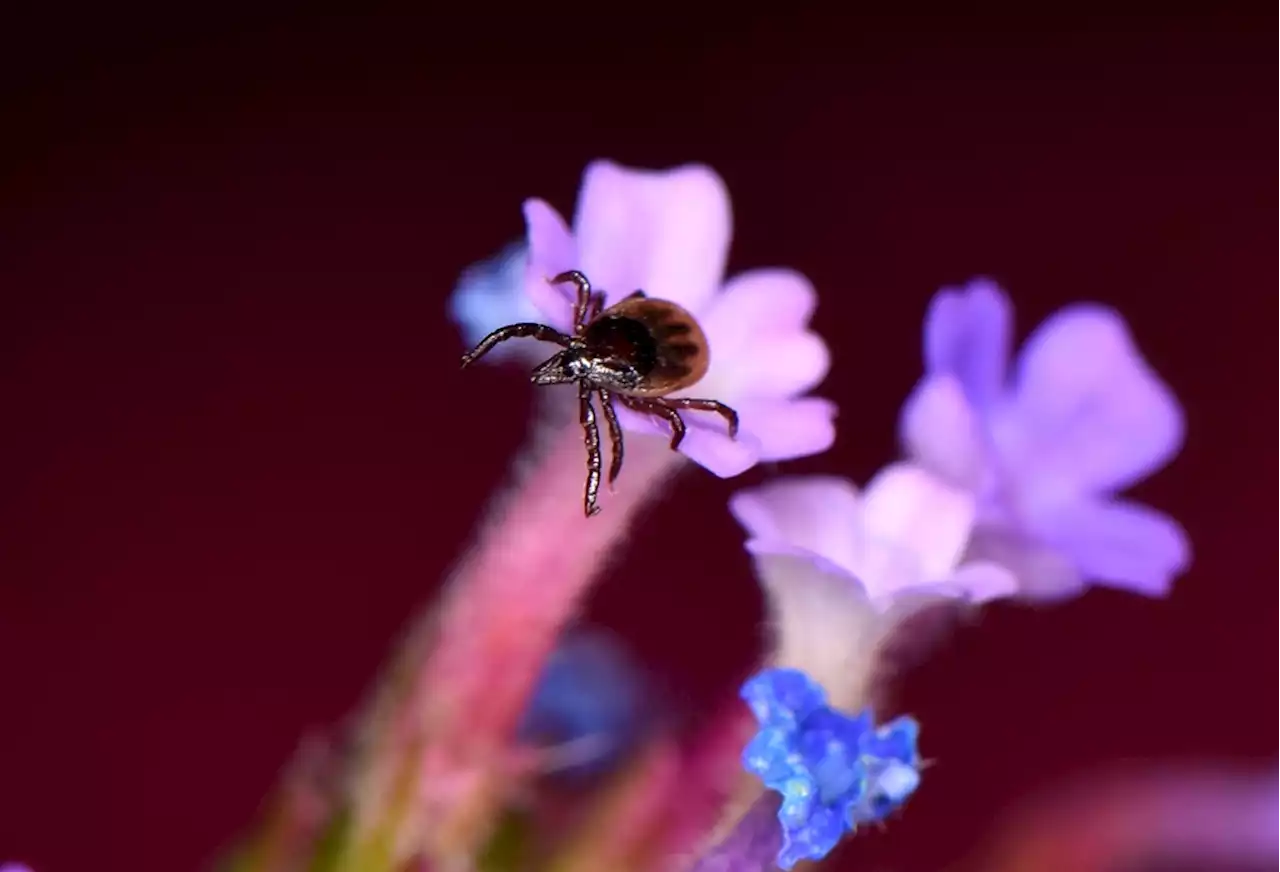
(909, 509)
(717, 453)
(706, 441)
(888, 570)
(552, 250)
(1121, 544)
(984, 581)
(815, 513)
(940, 430)
(786, 429)
(768, 430)
(967, 335)
(1091, 414)
(664, 232)
(1042, 573)
(760, 344)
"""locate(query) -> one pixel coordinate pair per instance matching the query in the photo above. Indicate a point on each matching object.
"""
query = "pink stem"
(523, 580)
(504, 608)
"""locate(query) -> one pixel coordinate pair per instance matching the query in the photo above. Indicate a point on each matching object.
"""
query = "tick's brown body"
(638, 350)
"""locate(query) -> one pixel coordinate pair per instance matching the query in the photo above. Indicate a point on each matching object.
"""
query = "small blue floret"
(781, 697)
(834, 771)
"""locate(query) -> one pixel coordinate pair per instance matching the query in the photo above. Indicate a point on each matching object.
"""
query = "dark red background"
(236, 452)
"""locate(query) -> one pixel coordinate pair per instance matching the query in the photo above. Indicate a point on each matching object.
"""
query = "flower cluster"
(1008, 486)
(834, 771)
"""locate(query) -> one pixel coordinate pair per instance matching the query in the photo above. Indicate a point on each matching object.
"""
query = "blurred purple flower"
(1045, 450)
(667, 233)
(906, 533)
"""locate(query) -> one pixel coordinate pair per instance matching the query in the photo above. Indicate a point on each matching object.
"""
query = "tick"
(638, 352)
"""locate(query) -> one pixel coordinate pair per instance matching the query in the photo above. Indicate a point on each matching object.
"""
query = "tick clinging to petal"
(637, 351)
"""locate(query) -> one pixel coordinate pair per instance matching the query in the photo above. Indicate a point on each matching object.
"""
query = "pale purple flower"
(1046, 447)
(907, 532)
(667, 233)
(841, 569)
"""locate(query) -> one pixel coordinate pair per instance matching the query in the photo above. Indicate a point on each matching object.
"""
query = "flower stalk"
(464, 682)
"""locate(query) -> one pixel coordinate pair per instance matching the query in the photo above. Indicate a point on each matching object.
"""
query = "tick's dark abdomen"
(624, 338)
(661, 342)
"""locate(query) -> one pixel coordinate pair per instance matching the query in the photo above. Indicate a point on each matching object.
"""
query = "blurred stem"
(714, 791)
(292, 818)
(624, 821)
(524, 578)
(346, 846)
(465, 675)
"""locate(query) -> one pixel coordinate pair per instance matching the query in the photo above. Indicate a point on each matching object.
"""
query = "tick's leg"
(729, 415)
(657, 407)
(541, 332)
(591, 436)
(582, 305)
(615, 435)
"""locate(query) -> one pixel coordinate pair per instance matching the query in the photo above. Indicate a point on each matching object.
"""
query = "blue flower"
(489, 295)
(1047, 448)
(834, 771)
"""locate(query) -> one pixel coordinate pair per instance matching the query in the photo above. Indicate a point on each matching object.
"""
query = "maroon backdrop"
(237, 453)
